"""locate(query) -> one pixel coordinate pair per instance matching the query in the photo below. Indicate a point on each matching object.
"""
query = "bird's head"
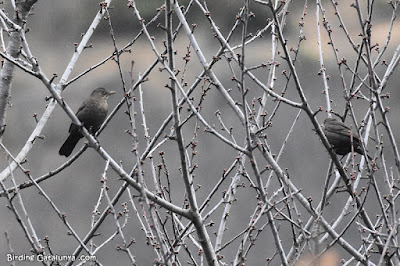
(101, 92)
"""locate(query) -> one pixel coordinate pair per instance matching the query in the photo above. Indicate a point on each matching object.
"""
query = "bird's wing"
(83, 105)
(336, 137)
(343, 134)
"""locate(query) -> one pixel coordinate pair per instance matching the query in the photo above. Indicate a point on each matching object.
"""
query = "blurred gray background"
(54, 28)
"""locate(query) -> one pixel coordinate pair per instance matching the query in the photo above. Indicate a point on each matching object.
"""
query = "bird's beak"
(111, 92)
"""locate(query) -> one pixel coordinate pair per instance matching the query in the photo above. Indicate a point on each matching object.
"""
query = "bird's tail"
(69, 145)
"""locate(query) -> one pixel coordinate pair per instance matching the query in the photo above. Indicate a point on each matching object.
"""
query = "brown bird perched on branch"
(92, 114)
(338, 135)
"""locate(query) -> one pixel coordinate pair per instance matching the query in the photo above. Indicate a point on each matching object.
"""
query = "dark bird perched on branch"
(92, 114)
(339, 136)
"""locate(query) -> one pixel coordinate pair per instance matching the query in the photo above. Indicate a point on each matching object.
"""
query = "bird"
(339, 136)
(91, 114)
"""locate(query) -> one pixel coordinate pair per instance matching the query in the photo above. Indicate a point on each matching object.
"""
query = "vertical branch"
(13, 49)
(204, 238)
(175, 107)
(252, 159)
(321, 58)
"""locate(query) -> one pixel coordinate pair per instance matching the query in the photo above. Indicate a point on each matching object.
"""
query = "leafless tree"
(230, 176)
